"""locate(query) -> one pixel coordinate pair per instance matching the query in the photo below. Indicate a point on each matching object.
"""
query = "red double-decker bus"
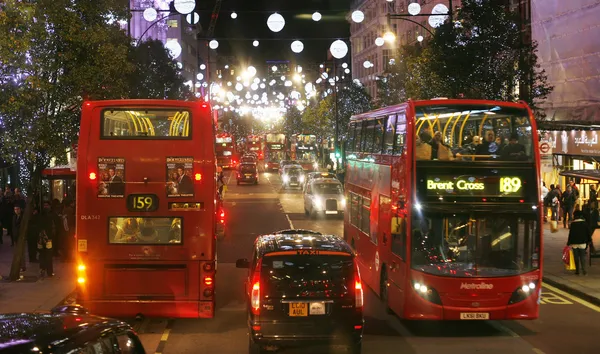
(225, 150)
(444, 208)
(275, 150)
(305, 150)
(255, 143)
(146, 209)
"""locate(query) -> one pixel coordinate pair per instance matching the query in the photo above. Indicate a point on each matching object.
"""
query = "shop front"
(571, 155)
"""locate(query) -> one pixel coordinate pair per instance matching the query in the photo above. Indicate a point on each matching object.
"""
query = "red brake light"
(198, 176)
(92, 176)
(208, 281)
(255, 292)
(358, 290)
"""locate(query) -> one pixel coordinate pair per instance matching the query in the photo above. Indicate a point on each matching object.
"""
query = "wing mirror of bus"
(242, 263)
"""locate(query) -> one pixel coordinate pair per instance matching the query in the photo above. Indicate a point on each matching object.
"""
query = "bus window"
(388, 138)
(139, 124)
(378, 135)
(145, 230)
(351, 131)
(365, 219)
(358, 137)
(400, 133)
(399, 236)
(354, 209)
(368, 134)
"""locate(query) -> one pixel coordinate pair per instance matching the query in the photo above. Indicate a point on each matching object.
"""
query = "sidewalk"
(32, 293)
(555, 274)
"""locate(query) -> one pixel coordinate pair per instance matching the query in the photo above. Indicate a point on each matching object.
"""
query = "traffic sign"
(544, 148)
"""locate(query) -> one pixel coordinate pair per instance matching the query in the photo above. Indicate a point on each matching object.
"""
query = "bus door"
(397, 270)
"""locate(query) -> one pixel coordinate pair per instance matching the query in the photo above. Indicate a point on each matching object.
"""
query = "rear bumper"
(285, 334)
(150, 308)
(248, 179)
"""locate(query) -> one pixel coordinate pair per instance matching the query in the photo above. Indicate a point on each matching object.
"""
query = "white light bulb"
(316, 16)
(234, 15)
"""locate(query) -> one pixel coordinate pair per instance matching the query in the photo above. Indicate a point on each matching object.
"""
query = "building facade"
(370, 61)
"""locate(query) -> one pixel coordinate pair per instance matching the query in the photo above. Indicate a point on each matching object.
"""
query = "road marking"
(538, 351)
(290, 221)
(165, 336)
(571, 297)
(502, 328)
(553, 299)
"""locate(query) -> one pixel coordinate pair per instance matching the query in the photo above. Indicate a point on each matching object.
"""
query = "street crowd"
(50, 232)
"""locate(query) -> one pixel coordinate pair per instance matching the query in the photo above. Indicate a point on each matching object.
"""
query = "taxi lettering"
(90, 217)
(307, 252)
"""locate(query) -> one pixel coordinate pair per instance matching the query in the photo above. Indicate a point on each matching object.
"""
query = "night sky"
(236, 36)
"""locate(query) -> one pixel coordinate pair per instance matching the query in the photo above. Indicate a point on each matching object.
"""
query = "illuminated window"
(173, 23)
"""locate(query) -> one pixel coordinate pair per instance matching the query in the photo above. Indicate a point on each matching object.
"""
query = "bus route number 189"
(142, 202)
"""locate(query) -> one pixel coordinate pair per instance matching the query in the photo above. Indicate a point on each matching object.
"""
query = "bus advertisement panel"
(146, 215)
(444, 208)
(304, 150)
(275, 150)
(225, 150)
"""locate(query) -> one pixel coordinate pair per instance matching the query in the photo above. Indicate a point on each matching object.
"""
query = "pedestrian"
(545, 192)
(33, 232)
(568, 203)
(47, 227)
(580, 237)
(593, 200)
(16, 231)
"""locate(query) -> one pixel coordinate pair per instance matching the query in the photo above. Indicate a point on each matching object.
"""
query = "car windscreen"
(294, 171)
(327, 188)
(310, 276)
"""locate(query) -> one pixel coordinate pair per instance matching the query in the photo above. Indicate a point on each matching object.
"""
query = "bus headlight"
(523, 292)
(427, 293)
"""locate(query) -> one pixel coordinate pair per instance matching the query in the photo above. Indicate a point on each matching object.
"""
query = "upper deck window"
(122, 123)
(472, 133)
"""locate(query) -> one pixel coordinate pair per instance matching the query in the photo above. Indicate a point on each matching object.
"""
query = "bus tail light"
(427, 293)
(208, 281)
(255, 291)
(222, 216)
(81, 274)
(198, 176)
(523, 292)
(93, 176)
(358, 289)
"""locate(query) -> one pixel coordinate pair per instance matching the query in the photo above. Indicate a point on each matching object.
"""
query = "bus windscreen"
(121, 123)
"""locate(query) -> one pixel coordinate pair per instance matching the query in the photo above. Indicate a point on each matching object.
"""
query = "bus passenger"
(514, 150)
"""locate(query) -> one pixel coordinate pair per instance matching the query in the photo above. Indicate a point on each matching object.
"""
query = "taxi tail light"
(255, 291)
(358, 289)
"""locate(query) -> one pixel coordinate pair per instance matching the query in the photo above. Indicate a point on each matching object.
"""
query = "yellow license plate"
(298, 309)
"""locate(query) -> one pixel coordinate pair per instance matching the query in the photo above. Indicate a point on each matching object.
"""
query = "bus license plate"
(298, 309)
(474, 316)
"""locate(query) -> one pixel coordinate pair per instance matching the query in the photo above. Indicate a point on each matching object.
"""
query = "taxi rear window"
(295, 275)
(248, 168)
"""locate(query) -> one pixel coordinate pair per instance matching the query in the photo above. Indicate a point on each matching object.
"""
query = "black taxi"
(303, 288)
(66, 329)
(247, 173)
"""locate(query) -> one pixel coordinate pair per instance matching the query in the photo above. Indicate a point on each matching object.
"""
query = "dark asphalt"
(566, 325)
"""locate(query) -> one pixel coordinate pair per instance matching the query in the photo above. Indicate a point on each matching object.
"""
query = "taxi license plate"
(293, 184)
(298, 309)
(248, 175)
(331, 212)
(474, 316)
(303, 309)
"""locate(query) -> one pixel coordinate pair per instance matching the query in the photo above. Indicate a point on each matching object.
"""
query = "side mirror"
(242, 263)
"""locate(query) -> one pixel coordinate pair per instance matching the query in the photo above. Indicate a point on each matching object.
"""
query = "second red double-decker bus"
(444, 208)
(146, 208)
(275, 150)
(254, 143)
(225, 149)
(304, 150)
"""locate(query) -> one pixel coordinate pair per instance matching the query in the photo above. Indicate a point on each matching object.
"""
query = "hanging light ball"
(366, 64)
(213, 44)
(234, 15)
(150, 14)
(192, 18)
(275, 22)
(184, 7)
(358, 16)
(338, 49)
(202, 66)
(420, 38)
(255, 43)
(174, 48)
(379, 41)
(414, 8)
(200, 76)
(316, 16)
(297, 46)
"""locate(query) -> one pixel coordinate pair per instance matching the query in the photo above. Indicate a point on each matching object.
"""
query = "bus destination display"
(467, 185)
(142, 202)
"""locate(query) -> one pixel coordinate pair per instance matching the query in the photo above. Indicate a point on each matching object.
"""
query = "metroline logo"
(477, 286)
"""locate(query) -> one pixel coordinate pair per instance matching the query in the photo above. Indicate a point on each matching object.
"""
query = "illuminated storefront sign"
(573, 142)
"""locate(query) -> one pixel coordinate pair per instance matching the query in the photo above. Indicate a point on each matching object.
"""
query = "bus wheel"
(383, 290)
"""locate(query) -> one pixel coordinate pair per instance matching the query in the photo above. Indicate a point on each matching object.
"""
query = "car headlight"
(286, 179)
(266, 165)
(343, 202)
(301, 179)
(318, 202)
(316, 165)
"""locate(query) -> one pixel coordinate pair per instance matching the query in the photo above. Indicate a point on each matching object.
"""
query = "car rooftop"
(325, 181)
(292, 240)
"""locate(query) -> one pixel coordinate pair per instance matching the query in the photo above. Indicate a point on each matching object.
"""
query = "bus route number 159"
(142, 202)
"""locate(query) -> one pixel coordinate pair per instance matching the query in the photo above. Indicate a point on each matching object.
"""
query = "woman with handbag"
(579, 239)
(46, 234)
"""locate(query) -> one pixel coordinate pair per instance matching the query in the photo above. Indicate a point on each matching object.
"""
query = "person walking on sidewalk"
(579, 238)
(47, 228)
(568, 203)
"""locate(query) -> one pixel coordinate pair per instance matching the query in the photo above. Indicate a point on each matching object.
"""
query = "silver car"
(324, 196)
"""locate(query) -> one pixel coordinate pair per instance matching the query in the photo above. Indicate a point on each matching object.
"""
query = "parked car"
(324, 195)
(247, 173)
(303, 288)
(66, 329)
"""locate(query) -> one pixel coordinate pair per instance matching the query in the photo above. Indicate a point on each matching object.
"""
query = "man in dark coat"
(580, 237)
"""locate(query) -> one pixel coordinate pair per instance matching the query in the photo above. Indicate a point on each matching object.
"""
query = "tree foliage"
(481, 55)
(155, 73)
(292, 123)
